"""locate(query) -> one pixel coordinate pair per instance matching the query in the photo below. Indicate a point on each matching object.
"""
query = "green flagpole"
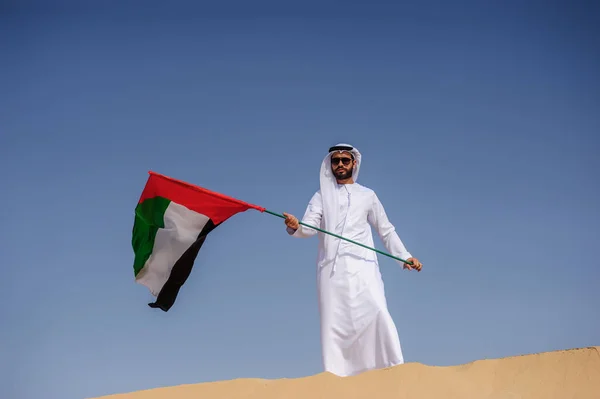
(342, 238)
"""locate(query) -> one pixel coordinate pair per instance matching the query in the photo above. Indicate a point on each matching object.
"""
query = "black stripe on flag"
(181, 271)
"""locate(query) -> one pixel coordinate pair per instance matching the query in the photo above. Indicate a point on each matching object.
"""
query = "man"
(357, 331)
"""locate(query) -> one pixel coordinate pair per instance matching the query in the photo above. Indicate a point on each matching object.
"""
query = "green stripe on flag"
(149, 218)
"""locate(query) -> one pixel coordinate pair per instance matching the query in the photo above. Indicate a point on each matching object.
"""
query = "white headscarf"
(329, 197)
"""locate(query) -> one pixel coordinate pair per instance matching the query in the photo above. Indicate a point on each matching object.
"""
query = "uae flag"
(172, 220)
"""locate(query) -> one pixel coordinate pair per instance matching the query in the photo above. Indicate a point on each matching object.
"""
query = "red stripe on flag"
(216, 206)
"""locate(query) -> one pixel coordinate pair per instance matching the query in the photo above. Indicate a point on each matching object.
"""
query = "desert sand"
(564, 374)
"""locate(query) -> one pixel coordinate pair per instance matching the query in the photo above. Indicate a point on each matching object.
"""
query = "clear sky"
(479, 128)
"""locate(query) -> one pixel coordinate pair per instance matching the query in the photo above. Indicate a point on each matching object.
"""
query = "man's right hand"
(291, 221)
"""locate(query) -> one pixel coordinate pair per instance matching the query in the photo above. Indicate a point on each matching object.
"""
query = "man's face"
(342, 165)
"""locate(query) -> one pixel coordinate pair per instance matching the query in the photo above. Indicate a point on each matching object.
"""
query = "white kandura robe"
(357, 331)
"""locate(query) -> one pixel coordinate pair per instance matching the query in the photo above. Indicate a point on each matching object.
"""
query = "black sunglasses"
(345, 160)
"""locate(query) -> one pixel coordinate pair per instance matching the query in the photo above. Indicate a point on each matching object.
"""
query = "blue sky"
(479, 127)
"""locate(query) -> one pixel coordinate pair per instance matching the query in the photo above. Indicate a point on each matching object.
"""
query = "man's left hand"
(415, 264)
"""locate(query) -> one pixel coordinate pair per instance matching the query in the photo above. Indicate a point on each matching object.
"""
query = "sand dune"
(562, 374)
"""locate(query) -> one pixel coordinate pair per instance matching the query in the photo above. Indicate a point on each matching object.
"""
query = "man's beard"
(342, 174)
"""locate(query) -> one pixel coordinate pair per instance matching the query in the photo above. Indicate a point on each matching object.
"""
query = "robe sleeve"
(312, 216)
(386, 231)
